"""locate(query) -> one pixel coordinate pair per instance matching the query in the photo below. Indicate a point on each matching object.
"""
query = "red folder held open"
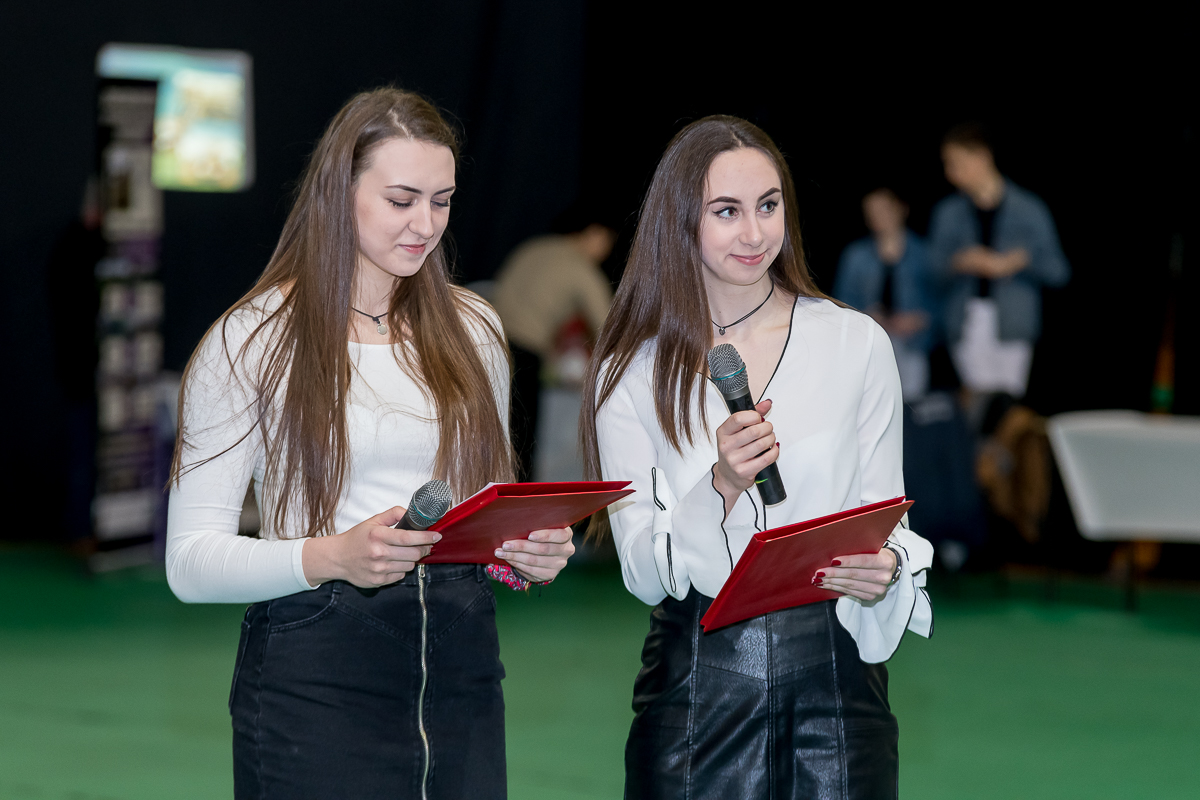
(777, 567)
(475, 528)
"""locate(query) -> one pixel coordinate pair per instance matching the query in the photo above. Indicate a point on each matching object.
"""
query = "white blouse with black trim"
(837, 415)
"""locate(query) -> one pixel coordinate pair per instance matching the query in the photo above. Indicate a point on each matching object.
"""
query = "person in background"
(542, 284)
(887, 275)
(994, 246)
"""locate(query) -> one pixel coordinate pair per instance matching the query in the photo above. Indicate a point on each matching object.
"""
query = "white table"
(1130, 476)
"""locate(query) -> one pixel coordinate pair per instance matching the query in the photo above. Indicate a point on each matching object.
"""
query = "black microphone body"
(729, 375)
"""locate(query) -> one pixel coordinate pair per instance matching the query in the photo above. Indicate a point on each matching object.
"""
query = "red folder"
(777, 567)
(475, 528)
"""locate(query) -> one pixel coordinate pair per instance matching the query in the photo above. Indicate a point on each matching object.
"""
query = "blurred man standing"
(995, 246)
(541, 285)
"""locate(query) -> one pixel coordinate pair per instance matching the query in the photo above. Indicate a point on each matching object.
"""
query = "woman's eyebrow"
(402, 187)
(735, 201)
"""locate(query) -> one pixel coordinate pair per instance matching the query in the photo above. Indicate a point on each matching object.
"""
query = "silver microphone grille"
(727, 369)
(432, 501)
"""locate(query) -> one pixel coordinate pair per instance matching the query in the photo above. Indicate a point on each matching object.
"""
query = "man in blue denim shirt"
(993, 246)
(887, 275)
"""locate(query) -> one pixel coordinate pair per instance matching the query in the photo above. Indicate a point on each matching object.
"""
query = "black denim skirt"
(779, 707)
(394, 693)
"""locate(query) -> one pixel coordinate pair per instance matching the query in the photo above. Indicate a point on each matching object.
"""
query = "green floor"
(109, 688)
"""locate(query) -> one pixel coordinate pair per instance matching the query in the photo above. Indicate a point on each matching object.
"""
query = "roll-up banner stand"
(169, 119)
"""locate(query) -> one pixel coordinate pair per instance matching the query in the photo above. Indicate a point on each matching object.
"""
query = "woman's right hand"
(370, 554)
(745, 446)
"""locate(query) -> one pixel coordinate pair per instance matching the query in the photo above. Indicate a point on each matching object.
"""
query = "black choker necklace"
(721, 328)
(381, 329)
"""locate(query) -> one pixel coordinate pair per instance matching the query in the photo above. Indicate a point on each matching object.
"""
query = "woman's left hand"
(540, 557)
(866, 576)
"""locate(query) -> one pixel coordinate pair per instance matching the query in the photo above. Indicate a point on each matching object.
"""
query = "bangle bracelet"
(899, 566)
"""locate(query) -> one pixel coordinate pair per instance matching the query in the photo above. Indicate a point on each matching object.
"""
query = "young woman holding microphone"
(351, 374)
(792, 703)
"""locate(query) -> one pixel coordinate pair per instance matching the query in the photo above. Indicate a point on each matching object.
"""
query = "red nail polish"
(819, 583)
(777, 444)
(820, 574)
(837, 563)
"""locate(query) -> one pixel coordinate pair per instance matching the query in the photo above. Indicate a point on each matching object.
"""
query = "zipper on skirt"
(424, 679)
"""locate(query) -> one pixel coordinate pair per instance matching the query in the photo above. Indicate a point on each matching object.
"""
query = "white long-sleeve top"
(393, 438)
(837, 415)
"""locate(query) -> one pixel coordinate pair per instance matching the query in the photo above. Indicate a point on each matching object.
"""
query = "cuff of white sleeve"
(672, 572)
(744, 512)
(298, 566)
(878, 626)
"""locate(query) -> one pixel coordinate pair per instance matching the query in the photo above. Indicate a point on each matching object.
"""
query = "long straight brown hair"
(305, 354)
(662, 294)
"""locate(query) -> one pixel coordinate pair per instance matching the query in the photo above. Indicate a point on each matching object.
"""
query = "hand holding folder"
(775, 570)
(475, 528)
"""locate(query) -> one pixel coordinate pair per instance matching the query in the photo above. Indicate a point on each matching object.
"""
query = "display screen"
(203, 132)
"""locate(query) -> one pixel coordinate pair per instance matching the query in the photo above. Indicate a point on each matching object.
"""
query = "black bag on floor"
(939, 472)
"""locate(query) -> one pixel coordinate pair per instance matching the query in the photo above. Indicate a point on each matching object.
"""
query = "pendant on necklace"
(720, 330)
(381, 329)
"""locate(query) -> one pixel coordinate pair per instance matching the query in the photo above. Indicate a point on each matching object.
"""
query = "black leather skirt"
(779, 706)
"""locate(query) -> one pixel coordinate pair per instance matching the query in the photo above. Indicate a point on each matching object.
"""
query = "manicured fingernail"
(818, 583)
(837, 563)
(437, 537)
(777, 444)
(500, 554)
(820, 574)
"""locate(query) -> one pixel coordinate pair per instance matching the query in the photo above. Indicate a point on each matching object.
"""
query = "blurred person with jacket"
(887, 274)
(544, 283)
(994, 246)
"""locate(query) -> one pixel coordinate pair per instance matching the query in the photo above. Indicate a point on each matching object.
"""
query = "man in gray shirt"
(993, 246)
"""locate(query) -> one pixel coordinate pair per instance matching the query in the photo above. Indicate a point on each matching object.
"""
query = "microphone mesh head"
(727, 369)
(432, 501)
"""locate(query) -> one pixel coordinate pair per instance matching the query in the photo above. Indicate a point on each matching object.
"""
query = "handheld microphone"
(429, 504)
(729, 374)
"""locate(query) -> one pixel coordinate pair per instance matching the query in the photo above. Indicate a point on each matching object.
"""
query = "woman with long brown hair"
(792, 703)
(352, 373)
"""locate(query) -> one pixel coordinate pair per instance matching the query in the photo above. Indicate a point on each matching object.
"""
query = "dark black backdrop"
(558, 97)
(509, 72)
(1097, 121)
